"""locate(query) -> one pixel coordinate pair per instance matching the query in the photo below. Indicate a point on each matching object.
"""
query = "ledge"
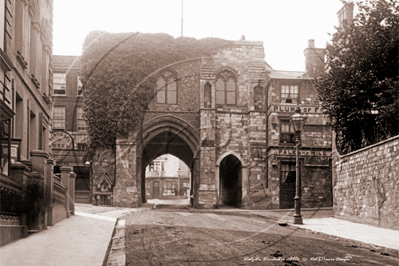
(5, 61)
(39, 153)
(21, 60)
(35, 81)
(46, 98)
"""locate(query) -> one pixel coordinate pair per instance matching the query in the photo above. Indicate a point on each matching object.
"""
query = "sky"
(284, 26)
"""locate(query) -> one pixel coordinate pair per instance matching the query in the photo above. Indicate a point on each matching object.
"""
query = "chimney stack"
(314, 60)
(345, 14)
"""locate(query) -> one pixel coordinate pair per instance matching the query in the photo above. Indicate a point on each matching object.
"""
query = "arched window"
(258, 98)
(226, 88)
(207, 95)
(167, 88)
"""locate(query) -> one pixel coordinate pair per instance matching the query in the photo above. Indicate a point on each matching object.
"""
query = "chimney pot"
(310, 43)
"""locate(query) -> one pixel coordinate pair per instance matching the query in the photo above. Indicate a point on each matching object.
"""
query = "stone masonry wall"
(366, 184)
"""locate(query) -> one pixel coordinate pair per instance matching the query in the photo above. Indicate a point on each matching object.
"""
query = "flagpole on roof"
(182, 18)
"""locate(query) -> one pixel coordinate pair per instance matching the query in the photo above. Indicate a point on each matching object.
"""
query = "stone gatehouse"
(212, 114)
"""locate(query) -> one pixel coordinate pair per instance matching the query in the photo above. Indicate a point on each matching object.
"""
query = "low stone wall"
(11, 229)
(58, 213)
(366, 184)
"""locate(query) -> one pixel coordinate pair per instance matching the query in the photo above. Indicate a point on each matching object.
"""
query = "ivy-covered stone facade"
(212, 113)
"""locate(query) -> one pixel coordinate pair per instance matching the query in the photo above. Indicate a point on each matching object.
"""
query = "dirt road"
(180, 237)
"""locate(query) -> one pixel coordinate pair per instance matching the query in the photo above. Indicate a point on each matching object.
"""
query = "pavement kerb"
(351, 242)
(116, 253)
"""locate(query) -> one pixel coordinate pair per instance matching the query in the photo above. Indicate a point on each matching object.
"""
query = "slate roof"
(283, 74)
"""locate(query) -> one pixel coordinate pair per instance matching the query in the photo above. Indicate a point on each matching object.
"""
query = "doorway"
(287, 184)
(155, 189)
(231, 181)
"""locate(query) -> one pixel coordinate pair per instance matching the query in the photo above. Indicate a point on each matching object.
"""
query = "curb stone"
(354, 243)
(116, 253)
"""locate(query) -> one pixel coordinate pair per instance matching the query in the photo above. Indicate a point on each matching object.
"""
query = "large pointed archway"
(169, 135)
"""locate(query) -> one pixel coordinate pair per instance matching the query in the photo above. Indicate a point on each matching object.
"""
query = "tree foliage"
(117, 77)
(359, 91)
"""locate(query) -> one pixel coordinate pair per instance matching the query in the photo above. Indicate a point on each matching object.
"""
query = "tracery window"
(226, 88)
(167, 88)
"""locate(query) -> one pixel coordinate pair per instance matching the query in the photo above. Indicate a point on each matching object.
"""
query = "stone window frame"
(226, 74)
(282, 121)
(294, 100)
(165, 77)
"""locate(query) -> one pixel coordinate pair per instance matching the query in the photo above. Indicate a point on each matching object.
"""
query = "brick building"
(221, 116)
(70, 150)
(286, 89)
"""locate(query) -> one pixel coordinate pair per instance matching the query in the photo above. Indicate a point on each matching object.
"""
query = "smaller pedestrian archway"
(232, 176)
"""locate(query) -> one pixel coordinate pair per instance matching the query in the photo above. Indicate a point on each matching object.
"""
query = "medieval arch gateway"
(212, 114)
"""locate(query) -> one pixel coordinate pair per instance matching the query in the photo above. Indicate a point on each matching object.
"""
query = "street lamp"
(297, 122)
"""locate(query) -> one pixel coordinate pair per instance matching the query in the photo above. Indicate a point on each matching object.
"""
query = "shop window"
(167, 88)
(226, 88)
(287, 134)
(81, 121)
(169, 188)
(59, 83)
(289, 93)
(59, 118)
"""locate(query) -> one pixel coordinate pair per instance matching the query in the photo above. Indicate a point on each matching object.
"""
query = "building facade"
(286, 89)
(31, 196)
(222, 116)
(25, 78)
(167, 177)
(69, 134)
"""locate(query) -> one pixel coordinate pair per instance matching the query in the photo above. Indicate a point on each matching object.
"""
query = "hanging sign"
(61, 140)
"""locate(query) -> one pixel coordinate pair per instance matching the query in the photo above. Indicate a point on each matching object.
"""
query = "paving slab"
(81, 239)
(78, 240)
(355, 231)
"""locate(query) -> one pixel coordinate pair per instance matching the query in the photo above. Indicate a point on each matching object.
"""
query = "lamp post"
(297, 122)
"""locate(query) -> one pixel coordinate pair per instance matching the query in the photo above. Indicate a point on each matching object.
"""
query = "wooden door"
(155, 189)
(287, 185)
